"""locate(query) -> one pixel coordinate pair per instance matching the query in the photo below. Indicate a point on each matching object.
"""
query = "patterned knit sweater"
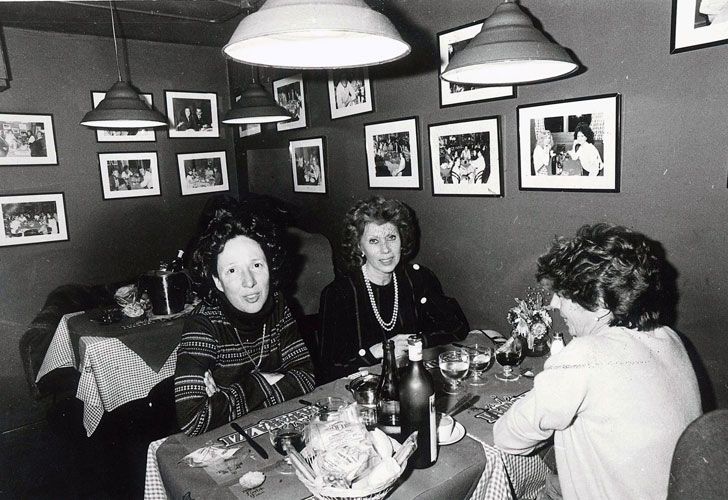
(212, 340)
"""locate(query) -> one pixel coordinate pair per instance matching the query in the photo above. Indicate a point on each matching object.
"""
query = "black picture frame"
(695, 26)
(309, 176)
(184, 125)
(27, 139)
(33, 218)
(212, 181)
(393, 162)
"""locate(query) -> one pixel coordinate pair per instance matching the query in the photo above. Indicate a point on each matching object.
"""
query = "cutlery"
(461, 346)
(258, 448)
(460, 404)
(306, 402)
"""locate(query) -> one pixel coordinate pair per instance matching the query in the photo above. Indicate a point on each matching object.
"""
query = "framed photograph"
(289, 94)
(393, 154)
(33, 218)
(466, 158)
(27, 139)
(350, 92)
(123, 135)
(450, 42)
(129, 175)
(192, 114)
(698, 23)
(203, 172)
(570, 145)
(308, 165)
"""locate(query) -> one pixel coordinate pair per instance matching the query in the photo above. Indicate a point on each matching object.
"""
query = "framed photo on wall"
(192, 114)
(393, 154)
(308, 165)
(466, 158)
(570, 145)
(697, 24)
(289, 93)
(451, 94)
(123, 135)
(350, 92)
(129, 175)
(203, 172)
(27, 139)
(33, 218)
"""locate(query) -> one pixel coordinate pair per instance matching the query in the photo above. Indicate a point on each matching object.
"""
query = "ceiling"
(194, 22)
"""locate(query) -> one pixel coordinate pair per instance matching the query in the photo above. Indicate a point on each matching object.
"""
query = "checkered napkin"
(509, 476)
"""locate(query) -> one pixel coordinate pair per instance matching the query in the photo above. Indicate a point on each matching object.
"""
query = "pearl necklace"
(262, 345)
(388, 326)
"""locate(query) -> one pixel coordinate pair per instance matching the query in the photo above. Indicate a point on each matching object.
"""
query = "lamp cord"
(113, 30)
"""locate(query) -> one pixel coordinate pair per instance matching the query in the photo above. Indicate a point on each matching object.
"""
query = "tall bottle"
(178, 262)
(388, 393)
(417, 404)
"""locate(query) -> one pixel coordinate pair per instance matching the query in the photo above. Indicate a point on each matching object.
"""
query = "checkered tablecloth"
(111, 373)
(153, 485)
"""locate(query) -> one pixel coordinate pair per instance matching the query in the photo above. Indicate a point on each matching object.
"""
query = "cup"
(328, 408)
(445, 426)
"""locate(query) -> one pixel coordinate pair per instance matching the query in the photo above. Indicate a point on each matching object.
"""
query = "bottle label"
(433, 430)
(415, 352)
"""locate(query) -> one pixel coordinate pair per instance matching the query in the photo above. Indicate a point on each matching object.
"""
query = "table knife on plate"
(258, 448)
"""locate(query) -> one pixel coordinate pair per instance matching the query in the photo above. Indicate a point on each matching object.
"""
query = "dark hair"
(228, 222)
(612, 267)
(585, 129)
(378, 210)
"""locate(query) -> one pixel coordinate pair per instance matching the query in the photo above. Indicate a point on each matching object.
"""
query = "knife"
(460, 404)
(250, 440)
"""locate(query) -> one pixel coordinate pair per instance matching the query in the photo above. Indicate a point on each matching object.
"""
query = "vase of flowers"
(531, 320)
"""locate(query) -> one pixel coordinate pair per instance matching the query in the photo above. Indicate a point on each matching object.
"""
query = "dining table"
(470, 468)
(119, 361)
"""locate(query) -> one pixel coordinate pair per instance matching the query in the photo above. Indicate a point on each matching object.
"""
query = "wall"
(673, 159)
(110, 240)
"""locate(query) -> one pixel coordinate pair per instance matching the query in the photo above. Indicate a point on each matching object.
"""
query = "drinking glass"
(286, 433)
(328, 408)
(508, 355)
(480, 356)
(454, 367)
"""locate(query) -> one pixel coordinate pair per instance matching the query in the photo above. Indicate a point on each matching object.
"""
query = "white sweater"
(616, 402)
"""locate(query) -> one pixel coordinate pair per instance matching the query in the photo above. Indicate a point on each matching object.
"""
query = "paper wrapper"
(209, 455)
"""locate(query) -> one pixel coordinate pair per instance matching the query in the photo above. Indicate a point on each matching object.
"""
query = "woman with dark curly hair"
(240, 349)
(585, 151)
(623, 389)
(381, 296)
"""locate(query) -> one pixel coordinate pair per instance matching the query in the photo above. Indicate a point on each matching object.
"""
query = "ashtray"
(106, 315)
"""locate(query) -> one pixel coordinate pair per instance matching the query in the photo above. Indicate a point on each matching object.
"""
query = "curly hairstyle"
(228, 222)
(613, 267)
(585, 129)
(378, 210)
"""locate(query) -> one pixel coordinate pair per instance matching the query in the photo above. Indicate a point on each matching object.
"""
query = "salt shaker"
(557, 343)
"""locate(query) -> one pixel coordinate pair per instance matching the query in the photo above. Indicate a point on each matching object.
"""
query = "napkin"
(208, 455)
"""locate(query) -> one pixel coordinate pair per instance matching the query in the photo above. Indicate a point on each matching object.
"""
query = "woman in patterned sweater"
(240, 349)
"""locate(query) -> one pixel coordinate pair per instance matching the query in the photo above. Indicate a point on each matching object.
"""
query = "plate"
(458, 432)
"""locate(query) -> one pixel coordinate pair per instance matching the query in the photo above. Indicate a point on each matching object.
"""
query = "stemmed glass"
(508, 355)
(454, 367)
(286, 433)
(480, 356)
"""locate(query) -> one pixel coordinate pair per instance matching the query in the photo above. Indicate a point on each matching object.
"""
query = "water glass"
(480, 357)
(454, 367)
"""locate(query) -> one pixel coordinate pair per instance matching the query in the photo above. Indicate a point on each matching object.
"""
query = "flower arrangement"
(530, 318)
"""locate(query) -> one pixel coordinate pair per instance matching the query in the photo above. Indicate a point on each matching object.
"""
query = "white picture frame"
(308, 165)
(129, 175)
(392, 153)
(123, 135)
(33, 218)
(350, 92)
(187, 125)
(698, 24)
(204, 172)
(290, 93)
(27, 139)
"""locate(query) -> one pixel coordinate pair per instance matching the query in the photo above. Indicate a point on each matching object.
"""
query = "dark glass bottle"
(178, 262)
(417, 406)
(388, 393)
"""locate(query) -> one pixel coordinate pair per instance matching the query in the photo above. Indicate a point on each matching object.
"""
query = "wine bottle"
(177, 263)
(417, 406)
(388, 393)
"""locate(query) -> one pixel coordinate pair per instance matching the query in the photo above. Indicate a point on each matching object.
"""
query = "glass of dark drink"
(286, 434)
(508, 355)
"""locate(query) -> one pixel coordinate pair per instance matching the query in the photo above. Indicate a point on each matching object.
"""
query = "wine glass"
(508, 355)
(480, 356)
(454, 367)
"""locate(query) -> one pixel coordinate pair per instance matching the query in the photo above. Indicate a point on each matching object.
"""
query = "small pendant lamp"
(509, 50)
(315, 34)
(122, 107)
(256, 105)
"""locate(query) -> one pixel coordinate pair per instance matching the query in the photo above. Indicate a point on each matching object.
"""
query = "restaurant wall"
(674, 161)
(110, 240)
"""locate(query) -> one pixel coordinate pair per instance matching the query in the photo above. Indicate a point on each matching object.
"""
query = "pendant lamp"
(315, 34)
(256, 105)
(122, 107)
(509, 50)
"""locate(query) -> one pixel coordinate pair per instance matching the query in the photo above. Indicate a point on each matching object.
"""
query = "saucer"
(458, 432)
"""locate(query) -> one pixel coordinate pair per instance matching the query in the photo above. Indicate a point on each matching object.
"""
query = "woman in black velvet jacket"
(382, 296)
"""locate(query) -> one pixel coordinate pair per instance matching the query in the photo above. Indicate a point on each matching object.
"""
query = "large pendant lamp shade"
(509, 50)
(122, 107)
(315, 34)
(256, 106)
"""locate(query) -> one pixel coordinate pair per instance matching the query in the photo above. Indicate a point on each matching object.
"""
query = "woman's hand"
(272, 378)
(210, 385)
(400, 347)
